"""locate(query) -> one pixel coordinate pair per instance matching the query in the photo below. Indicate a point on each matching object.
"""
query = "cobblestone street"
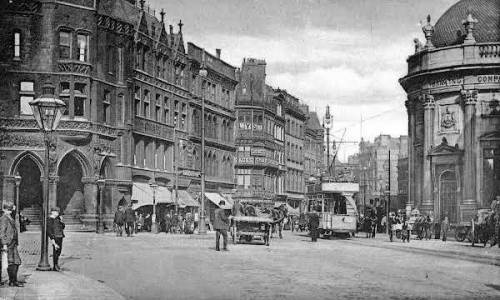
(188, 267)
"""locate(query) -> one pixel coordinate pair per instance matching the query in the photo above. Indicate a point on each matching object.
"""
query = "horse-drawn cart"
(248, 228)
(478, 230)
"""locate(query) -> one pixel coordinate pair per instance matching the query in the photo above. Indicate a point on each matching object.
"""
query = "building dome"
(449, 29)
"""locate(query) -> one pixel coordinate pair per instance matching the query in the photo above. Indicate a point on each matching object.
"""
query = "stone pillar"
(410, 201)
(418, 154)
(53, 180)
(9, 188)
(429, 105)
(90, 191)
(469, 98)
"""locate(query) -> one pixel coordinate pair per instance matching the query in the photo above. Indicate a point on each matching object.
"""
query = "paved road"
(174, 267)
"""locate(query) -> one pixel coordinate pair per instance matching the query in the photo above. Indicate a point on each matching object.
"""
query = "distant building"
(374, 169)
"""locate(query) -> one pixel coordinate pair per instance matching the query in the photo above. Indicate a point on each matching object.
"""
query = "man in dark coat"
(314, 224)
(129, 220)
(221, 225)
(55, 232)
(168, 222)
(9, 241)
(119, 220)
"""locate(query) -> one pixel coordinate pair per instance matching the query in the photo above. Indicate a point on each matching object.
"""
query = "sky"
(348, 54)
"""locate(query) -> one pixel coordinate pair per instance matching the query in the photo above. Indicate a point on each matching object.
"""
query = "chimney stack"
(217, 52)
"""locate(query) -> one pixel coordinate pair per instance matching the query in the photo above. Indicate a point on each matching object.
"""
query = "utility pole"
(389, 193)
(203, 74)
(176, 170)
(327, 123)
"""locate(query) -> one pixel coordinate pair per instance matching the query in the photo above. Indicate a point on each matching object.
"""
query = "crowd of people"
(170, 221)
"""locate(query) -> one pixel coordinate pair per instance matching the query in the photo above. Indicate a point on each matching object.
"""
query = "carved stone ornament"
(428, 101)
(448, 119)
(469, 97)
(469, 29)
(428, 30)
(11, 139)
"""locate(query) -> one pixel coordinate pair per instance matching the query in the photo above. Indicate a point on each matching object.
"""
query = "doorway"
(448, 196)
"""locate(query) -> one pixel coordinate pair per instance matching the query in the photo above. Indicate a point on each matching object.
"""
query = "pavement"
(161, 266)
(451, 248)
(49, 285)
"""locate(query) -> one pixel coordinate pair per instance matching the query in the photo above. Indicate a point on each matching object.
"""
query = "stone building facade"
(260, 134)
(132, 93)
(453, 84)
(313, 147)
(296, 115)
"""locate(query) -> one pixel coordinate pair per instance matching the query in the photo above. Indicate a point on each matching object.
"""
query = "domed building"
(453, 88)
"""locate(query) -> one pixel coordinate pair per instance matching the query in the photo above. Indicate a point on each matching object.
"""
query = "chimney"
(217, 52)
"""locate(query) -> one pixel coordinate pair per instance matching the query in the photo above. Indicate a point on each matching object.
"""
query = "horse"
(278, 214)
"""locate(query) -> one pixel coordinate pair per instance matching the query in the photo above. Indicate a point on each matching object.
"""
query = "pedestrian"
(405, 234)
(495, 207)
(55, 232)
(129, 220)
(313, 225)
(23, 222)
(221, 225)
(168, 222)
(119, 220)
(140, 223)
(175, 223)
(9, 241)
(445, 226)
(373, 223)
(383, 223)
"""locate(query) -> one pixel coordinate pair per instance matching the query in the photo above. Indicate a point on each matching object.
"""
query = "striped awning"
(216, 198)
(185, 199)
(142, 194)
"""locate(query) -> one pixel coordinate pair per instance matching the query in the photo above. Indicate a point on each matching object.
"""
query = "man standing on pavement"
(495, 207)
(55, 232)
(314, 224)
(129, 220)
(445, 226)
(9, 241)
(221, 225)
(119, 220)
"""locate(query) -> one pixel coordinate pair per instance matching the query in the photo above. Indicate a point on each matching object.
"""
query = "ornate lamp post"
(47, 111)
(203, 74)
(101, 183)
(17, 180)
(154, 226)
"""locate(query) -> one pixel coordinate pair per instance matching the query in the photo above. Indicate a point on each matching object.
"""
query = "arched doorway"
(30, 188)
(70, 198)
(448, 195)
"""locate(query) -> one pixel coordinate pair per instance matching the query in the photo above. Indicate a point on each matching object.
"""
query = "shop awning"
(215, 198)
(229, 199)
(142, 194)
(290, 209)
(185, 199)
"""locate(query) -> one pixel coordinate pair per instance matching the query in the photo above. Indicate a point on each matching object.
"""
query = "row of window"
(295, 128)
(214, 127)
(257, 121)
(295, 181)
(294, 153)
(73, 46)
(162, 110)
(258, 180)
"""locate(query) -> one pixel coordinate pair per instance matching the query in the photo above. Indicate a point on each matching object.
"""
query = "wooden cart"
(248, 228)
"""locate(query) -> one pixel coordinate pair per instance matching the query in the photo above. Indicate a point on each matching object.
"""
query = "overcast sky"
(347, 54)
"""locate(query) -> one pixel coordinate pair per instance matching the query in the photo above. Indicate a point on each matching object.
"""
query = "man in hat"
(9, 241)
(314, 224)
(55, 232)
(221, 225)
(129, 220)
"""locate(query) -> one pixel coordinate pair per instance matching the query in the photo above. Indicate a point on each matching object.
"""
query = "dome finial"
(428, 30)
(469, 28)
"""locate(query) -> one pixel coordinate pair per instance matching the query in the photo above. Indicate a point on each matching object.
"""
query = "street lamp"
(154, 226)
(17, 180)
(47, 111)
(101, 183)
(203, 73)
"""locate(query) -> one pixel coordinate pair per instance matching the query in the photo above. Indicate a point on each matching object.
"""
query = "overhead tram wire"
(353, 124)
